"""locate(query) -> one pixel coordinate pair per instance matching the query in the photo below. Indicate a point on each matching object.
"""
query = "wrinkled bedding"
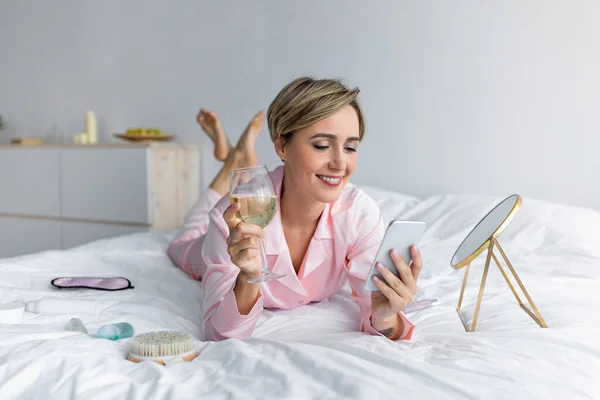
(316, 351)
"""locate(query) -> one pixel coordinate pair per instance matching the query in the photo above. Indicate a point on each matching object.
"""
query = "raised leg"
(212, 127)
(243, 155)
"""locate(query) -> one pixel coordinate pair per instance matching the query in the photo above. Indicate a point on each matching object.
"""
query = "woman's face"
(322, 157)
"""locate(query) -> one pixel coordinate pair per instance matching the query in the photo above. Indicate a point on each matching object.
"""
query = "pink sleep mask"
(88, 282)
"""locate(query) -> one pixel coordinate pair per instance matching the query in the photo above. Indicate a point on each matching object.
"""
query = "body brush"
(163, 347)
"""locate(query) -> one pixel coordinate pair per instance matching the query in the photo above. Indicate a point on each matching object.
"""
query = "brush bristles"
(162, 344)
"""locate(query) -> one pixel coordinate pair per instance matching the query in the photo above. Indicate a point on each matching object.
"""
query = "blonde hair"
(305, 101)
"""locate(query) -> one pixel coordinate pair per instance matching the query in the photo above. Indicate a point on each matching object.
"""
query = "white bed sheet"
(315, 351)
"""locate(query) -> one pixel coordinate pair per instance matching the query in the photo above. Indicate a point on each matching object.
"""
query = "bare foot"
(246, 145)
(212, 127)
(243, 155)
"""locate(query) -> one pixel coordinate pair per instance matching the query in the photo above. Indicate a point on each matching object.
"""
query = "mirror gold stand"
(485, 235)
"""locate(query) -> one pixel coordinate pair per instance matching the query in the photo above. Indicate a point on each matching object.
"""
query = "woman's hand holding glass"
(243, 243)
(253, 205)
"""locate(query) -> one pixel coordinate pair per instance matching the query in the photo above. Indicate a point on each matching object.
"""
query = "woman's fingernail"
(394, 253)
(379, 267)
(416, 249)
(375, 279)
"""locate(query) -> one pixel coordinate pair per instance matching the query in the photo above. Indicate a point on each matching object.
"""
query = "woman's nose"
(338, 160)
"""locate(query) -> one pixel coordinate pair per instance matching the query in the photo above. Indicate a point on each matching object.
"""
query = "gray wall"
(460, 96)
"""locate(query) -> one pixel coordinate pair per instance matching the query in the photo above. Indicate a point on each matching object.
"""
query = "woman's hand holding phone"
(395, 293)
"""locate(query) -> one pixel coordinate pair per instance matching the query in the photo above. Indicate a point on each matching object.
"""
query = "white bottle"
(91, 127)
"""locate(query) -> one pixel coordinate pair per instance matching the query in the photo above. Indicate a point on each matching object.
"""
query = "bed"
(315, 351)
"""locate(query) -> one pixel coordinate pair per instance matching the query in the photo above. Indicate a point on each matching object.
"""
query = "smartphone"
(400, 235)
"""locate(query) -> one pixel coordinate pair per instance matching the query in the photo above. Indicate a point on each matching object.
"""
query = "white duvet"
(316, 351)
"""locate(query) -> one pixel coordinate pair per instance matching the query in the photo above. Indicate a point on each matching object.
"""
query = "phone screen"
(400, 235)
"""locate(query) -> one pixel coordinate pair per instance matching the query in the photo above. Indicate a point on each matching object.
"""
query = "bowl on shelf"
(144, 135)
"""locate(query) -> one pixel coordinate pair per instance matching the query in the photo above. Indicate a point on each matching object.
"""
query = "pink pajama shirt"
(343, 246)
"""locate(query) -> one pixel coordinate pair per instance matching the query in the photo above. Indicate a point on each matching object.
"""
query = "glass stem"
(263, 256)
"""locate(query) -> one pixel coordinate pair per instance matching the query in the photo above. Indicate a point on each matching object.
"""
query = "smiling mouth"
(330, 180)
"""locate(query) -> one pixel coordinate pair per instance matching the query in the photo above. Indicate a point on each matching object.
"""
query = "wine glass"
(253, 188)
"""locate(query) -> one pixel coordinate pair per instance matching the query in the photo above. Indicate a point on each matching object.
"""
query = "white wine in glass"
(253, 188)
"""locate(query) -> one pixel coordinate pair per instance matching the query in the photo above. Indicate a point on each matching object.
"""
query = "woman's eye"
(322, 147)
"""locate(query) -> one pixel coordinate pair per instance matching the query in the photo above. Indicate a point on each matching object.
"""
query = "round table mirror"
(490, 226)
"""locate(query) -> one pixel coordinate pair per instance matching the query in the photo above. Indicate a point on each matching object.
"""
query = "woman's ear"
(280, 147)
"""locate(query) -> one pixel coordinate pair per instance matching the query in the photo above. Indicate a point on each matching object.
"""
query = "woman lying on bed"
(325, 230)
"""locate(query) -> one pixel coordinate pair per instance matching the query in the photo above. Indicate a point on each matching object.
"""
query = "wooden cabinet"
(57, 197)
